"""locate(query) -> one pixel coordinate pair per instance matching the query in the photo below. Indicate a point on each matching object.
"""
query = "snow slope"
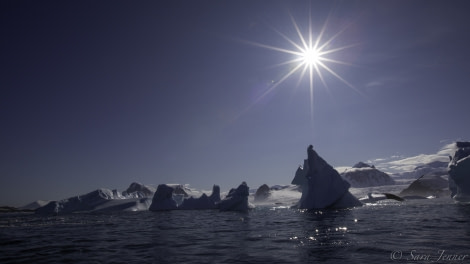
(364, 175)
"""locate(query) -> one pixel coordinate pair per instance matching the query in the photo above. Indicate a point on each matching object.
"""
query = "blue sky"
(101, 94)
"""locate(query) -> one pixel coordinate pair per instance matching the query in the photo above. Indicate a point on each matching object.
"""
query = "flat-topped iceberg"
(322, 186)
(99, 200)
(459, 173)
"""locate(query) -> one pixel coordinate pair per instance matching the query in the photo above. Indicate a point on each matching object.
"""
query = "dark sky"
(104, 93)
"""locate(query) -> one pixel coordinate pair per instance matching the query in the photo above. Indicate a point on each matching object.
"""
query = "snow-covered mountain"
(35, 205)
(364, 175)
(436, 168)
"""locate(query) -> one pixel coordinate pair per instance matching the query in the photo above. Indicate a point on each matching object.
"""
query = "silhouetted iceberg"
(459, 173)
(163, 199)
(138, 190)
(203, 202)
(262, 193)
(236, 199)
(322, 186)
(425, 186)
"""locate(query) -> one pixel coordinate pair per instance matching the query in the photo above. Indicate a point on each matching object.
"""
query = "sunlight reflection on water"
(265, 234)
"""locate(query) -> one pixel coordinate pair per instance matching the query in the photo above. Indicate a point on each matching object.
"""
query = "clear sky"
(103, 93)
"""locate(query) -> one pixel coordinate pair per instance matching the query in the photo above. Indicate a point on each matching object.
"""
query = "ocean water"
(419, 231)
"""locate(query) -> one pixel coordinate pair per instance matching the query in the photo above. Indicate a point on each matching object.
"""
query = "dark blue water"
(423, 231)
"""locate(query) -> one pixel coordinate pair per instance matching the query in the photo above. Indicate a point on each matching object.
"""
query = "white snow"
(280, 195)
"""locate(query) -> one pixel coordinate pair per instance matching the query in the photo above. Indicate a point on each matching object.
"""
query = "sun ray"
(340, 78)
(336, 61)
(275, 85)
(301, 37)
(302, 75)
(337, 49)
(297, 46)
(321, 77)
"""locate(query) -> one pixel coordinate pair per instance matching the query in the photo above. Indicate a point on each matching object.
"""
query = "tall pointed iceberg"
(322, 186)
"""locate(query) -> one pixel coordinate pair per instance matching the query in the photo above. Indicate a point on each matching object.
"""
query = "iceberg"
(163, 199)
(203, 202)
(276, 196)
(425, 186)
(99, 200)
(102, 200)
(322, 186)
(262, 193)
(138, 190)
(364, 175)
(459, 173)
(236, 199)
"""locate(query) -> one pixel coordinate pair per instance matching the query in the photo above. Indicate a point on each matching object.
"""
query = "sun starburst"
(310, 56)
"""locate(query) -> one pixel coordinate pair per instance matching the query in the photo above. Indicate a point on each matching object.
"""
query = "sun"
(311, 56)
